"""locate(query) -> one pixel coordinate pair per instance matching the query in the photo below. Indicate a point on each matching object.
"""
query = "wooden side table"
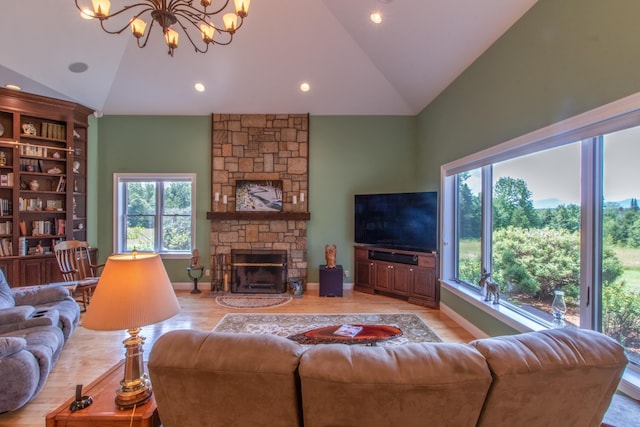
(103, 411)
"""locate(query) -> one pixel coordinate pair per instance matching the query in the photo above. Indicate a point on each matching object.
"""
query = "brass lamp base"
(127, 399)
(135, 388)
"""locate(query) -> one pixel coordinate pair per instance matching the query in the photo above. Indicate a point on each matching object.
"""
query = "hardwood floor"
(90, 353)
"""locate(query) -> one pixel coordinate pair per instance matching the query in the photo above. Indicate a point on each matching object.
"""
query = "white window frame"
(119, 227)
(621, 114)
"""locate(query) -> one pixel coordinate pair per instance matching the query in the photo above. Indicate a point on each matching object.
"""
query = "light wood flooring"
(90, 353)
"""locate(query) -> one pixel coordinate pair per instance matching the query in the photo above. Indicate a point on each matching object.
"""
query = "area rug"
(252, 301)
(414, 329)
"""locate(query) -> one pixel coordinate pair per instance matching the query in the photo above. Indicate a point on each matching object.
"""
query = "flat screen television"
(403, 221)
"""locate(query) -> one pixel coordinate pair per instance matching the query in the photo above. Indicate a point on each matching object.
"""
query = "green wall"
(561, 59)
(145, 144)
(350, 155)
(347, 155)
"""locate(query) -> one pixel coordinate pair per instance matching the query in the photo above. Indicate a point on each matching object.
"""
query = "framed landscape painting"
(258, 196)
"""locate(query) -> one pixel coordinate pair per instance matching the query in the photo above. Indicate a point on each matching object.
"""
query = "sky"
(555, 173)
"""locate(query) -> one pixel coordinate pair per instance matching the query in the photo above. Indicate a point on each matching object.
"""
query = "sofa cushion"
(565, 376)
(6, 296)
(249, 379)
(409, 385)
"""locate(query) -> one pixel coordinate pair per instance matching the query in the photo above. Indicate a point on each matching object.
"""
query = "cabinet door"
(364, 273)
(32, 271)
(424, 283)
(6, 266)
(52, 270)
(402, 278)
(384, 276)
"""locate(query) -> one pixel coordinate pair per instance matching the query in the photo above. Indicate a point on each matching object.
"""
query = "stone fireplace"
(260, 147)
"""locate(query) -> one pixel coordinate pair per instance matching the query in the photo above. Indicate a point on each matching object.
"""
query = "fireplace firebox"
(258, 271)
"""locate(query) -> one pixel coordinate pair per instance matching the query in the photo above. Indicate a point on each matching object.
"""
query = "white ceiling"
(354, 67)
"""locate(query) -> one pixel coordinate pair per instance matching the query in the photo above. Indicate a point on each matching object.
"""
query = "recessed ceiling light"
(78, 67)
(87, 13)
(12, 87)
(305, 87)
(376, 17)
(199, 87)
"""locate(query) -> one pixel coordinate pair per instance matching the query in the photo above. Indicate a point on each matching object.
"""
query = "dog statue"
(492, 287)
(330, 255)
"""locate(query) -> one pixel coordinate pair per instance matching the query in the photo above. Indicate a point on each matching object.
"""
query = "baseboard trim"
(205, 286)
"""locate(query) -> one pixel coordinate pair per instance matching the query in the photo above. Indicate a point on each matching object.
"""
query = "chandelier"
(168, 14)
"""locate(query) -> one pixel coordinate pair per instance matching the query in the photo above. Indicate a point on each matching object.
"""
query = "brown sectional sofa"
(555, 377)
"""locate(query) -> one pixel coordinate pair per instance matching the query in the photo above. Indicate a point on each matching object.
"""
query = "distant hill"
(554, 203)
(547, 203)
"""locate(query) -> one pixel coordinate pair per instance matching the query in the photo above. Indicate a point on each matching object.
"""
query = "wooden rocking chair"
(76, 265)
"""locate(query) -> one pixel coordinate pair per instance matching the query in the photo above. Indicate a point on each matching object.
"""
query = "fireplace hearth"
(258, 271)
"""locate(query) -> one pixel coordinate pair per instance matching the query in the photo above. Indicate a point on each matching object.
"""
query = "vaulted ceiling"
(353, 66)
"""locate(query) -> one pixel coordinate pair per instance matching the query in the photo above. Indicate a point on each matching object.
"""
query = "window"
(155, 212)
(554, 210)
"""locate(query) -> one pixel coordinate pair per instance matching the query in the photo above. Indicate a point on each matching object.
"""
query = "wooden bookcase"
(43, 184)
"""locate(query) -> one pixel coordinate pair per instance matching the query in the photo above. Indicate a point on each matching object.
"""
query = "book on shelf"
(5, 207)
(22, 246)
(6, 247)
(60, 227)
(41, 228)
(6, 227)
(348, 330)
(61, 185)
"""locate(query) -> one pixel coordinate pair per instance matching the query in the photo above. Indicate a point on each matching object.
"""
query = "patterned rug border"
(274, 323)
(260, 301)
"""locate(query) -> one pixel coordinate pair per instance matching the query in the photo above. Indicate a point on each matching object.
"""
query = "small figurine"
(330, 255)
(38, 249)
(195, 259)
(492, 287)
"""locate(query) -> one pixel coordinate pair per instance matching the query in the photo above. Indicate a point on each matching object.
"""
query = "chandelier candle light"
(133, 291)
(168, 13)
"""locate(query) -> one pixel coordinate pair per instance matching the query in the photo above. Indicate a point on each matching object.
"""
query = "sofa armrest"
(15, 314)
(11, 345)
(39, 295)
(45, 317)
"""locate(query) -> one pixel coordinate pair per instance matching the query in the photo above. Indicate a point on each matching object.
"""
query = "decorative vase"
(34, 185)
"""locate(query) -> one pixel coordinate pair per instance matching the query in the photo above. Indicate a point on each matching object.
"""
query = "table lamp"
(133, 291)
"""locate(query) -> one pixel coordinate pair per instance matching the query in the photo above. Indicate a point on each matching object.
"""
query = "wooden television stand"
(403, 274)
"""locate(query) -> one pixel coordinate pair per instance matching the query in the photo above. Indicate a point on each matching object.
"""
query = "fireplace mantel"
(259, 216)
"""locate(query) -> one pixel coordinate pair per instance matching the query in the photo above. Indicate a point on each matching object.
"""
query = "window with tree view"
(155, 213)
(563, 217)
